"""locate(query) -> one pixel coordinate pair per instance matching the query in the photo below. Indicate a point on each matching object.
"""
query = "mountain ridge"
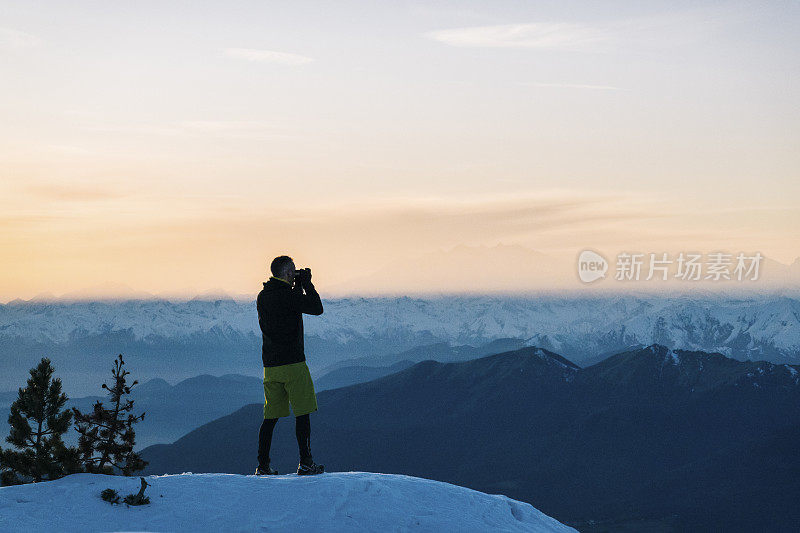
(513, 423)
(751, 326)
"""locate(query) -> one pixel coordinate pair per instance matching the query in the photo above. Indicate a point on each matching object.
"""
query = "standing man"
(281, 305)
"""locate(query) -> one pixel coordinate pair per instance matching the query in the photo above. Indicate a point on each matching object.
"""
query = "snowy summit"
(339, 501)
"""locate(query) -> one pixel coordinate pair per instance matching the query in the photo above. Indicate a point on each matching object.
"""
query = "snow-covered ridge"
(569, 370)
(670, 356)
(342, 501)
(760, 369)
(760, 325)
(553, 358)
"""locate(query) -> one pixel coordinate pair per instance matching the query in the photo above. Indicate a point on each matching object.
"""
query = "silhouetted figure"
(281, 304)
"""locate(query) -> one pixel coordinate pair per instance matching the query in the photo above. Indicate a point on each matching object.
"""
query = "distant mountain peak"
(153, 385)
(535, 358)
(691, 371)
(549, 356)
(44, 297)
(656, 348)
(213, 295)
(667, 354)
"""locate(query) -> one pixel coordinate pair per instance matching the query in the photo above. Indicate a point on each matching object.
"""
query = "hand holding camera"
(303, 276)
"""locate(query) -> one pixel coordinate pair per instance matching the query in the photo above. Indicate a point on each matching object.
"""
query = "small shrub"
(135, 499)
(140, 498)
(110, 495)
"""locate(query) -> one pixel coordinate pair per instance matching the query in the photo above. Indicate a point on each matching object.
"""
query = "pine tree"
(37, 424)
(107, 436)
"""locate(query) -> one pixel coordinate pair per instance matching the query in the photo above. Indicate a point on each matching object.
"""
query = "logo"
(591, 266)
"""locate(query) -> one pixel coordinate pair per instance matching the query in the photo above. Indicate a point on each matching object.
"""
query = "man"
(281, 304)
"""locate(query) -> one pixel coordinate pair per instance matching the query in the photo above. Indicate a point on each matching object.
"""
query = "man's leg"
(302, 429)
(303, 399)
(265, 441)
(276, 405)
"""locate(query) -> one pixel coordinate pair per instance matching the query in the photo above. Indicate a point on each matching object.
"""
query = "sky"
(177, 147)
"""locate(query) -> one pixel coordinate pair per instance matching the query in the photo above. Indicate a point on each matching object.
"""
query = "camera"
(301, 277)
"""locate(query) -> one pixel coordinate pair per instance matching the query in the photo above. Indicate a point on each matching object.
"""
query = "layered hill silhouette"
(359, 370)
(648, 438)
(350, 375)
(170, 410)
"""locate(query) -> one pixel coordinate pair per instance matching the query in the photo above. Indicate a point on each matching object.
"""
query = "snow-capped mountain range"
(222, 335)
(766, 327)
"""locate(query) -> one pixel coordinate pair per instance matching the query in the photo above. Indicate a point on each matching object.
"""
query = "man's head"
(283, 267)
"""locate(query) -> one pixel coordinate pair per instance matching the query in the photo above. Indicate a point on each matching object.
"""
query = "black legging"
(302, 429)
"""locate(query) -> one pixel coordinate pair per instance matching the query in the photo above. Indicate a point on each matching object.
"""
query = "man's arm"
(309, 303)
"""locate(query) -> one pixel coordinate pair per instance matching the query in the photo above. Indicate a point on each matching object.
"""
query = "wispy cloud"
(658, 31)
(68, 149)
(542, 35)
(434, 221)
(16, 39)
(57, 191)
(573, 86)
(252, 130)
(268, 56)
(25, 221)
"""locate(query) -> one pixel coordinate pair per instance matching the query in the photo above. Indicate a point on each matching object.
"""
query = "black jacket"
(280, 316)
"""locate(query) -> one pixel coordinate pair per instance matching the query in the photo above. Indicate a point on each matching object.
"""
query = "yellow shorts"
(288, 384)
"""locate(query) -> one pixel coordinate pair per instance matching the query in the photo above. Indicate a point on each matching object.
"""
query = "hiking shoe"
(261, 470)
(307, 468)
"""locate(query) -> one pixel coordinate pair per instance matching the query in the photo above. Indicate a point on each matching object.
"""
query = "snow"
(340, 501)
(703, 323)
(569, 371)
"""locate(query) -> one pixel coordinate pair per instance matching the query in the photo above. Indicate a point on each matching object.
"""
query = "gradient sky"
(177, 147)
